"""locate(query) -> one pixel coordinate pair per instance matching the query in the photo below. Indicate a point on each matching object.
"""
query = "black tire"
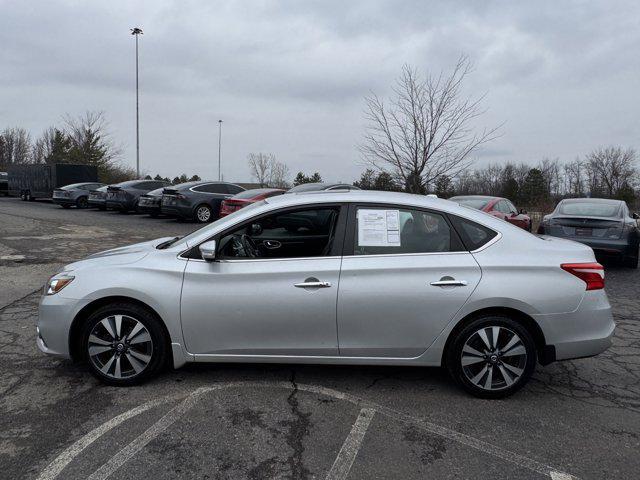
(157, 350)
(82, 202)
(630, 262)
(461, 374)
(28, 197)
(22, 196)
(203, 213)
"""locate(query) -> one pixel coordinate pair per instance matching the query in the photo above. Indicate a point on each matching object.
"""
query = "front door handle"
(449, 283)
(315, 284)
(271, 244)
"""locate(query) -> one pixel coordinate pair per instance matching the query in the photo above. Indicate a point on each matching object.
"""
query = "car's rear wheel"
(124, 344)
(492, 357)
(631, 262)
(203, 214)
(82, 202)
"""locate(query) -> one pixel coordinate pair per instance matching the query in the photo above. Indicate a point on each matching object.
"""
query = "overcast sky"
(289, 77)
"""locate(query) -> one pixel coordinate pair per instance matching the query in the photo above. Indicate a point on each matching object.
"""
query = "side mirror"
(523, 211)
(636, 216)
(208, 250)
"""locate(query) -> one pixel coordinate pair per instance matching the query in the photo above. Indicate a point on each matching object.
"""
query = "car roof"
(319, 186)
(181, 186)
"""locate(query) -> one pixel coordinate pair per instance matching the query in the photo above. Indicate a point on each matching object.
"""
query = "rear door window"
(473, 234)
(388, 230)
(211, 188)
(233, 189)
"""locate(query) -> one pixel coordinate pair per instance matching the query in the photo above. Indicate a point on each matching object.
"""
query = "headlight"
(57, 283)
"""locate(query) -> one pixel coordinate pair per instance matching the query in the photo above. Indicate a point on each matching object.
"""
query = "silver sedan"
(360, 278)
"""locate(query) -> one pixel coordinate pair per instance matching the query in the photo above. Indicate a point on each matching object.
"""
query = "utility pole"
(135, 32)
(219, 150)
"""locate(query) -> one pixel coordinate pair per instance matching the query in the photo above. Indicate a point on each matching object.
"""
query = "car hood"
(119, 256)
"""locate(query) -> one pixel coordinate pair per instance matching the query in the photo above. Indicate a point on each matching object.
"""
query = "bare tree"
(267, 170)
(610, 169)
(573, 173)
(15, 146)
(426, 129)
(43, 147)
(90, 142)
(260, 165)
(279, 175)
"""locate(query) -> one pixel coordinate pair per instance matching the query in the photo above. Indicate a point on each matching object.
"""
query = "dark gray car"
(199, 201)
(98, 198)
(124, 196)
(607, 226)
(76, 194)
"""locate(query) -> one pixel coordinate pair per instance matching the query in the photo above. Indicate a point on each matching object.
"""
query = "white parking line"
(69, 454)
(351, 446)
(63, 459)
(125, 454)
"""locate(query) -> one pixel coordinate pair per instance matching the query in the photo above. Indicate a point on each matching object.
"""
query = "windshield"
(588, 209)
(224, 219)
(477, 203)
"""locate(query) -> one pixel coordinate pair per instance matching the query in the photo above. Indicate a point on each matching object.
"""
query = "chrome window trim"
(489, 243)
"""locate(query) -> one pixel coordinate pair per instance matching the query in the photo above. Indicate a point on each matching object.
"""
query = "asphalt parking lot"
(575, 419)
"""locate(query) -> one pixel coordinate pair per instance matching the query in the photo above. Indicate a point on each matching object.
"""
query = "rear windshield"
(478, 203)
(590, 209)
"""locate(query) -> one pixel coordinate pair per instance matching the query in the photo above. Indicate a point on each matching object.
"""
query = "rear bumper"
(585, 332)
(120, 204)
(63, 201)
(149, 209)
(97, 203)
(177, 211)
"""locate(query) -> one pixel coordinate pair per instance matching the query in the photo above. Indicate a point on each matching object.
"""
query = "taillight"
(590, 273)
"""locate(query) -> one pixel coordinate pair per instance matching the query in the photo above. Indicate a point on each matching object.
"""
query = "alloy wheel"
(493, 358)
(120, 346)
(204, 214)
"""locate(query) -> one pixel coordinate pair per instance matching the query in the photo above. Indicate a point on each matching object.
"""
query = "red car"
(247, 197)
(498, 207)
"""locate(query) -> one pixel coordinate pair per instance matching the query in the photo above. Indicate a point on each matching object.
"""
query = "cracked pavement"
(254, 421)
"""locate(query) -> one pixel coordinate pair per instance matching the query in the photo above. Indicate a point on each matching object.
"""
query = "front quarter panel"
(155, 280)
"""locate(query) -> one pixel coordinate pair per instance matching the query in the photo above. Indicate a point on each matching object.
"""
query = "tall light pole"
(219, 150)
(135, 32)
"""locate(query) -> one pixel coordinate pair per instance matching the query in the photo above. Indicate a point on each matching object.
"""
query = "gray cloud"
(289, 77)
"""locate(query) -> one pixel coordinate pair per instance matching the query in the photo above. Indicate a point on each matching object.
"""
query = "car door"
(284, 304)
(400, 284)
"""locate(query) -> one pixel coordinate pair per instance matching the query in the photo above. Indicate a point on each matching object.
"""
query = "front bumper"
(55, 315)
(585, 332)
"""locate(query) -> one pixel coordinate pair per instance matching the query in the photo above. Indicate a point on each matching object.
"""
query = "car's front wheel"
(124, 344)
(492, 357)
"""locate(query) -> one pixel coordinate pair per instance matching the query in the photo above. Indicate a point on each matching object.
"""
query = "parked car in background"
(40, 180)
(496, 206)
(74, 195)
(149, 203)
(247, 197)
(199, 201)
(318, 187)
(124, 196)
(98, 198)
(605, 225)
(4, 183)
(342, 278)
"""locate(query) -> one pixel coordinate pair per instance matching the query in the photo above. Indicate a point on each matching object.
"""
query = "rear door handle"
(449, 283)
(271, 244)
(312, 285)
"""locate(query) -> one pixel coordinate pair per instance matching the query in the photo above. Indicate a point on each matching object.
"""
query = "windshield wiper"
(168, 243)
